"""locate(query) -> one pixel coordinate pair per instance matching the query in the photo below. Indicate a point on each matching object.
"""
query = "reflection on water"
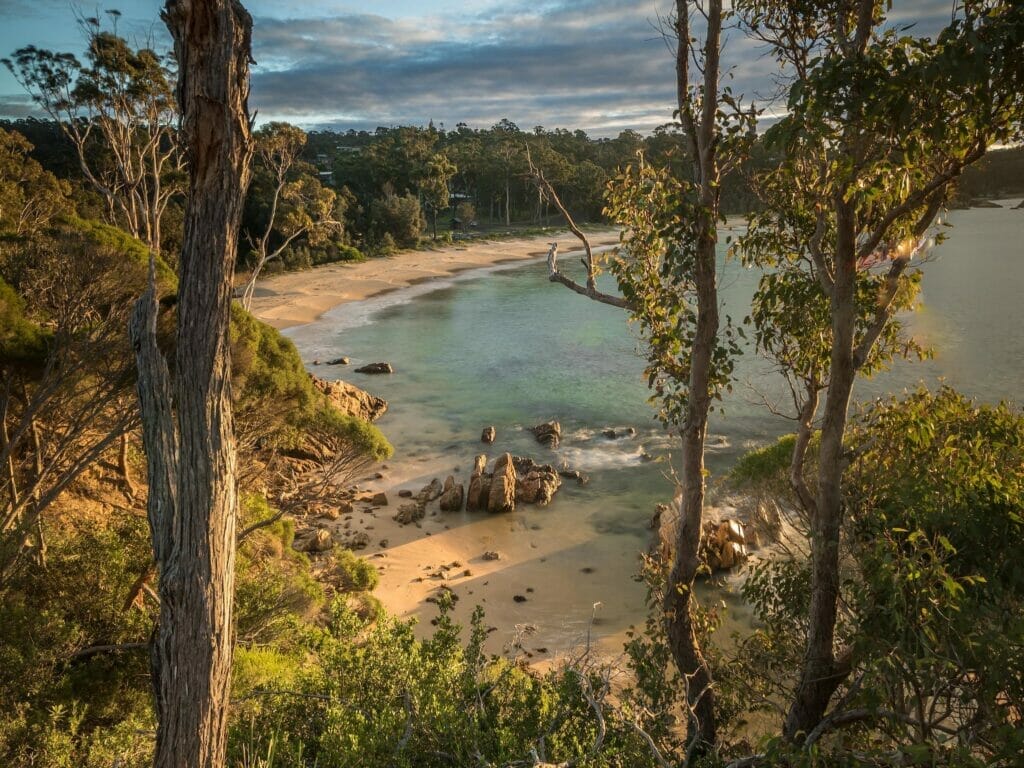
(506, 347)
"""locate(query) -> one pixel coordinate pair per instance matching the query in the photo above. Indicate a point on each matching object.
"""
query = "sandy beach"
(296, 298)
(525, 592)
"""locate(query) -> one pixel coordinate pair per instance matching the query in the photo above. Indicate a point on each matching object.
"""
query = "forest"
(158, 442)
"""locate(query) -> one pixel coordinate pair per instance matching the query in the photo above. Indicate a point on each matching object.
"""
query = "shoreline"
(292, 299)
(444, 551)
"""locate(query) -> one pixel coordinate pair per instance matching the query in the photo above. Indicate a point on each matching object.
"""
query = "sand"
(445, 550)
(296, 298)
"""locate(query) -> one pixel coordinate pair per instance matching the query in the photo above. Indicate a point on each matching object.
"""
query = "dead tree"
(190, 452)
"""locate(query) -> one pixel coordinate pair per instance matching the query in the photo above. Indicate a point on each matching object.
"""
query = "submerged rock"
(488, 435)
(376, 368)
(549, 433)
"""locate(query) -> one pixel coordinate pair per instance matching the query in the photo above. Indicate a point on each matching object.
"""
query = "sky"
(597, 65)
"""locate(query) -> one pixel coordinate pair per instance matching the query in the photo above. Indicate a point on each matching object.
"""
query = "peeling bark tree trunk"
(191, 454)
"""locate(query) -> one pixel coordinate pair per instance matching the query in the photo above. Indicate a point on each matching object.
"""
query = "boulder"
(502, 494)
(351, 400)
(478, 493)
(430, 491)
(491, 555)
(452, 496)
(549, 433)
(488, 435)
(535, 483)
(319, 540)
(357, 540)
(376, 368)
(574, 474)
(479, 465)
(409, 512)
(379, 499)
(339, 361)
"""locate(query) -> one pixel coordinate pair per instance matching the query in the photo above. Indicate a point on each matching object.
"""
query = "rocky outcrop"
(430, 491)
(376, 368)
(351, 400)
(549, 433)
(723, 545)
(501, 496)
(452, 495)
(535, 483)
(488, 435)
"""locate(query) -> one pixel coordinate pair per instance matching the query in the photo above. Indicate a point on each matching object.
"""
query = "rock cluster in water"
(376, 368)
(549, 433)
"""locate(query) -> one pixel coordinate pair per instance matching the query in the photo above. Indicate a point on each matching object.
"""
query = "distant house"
(326, 177)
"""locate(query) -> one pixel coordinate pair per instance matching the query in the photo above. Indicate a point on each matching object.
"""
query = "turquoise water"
(506, 347)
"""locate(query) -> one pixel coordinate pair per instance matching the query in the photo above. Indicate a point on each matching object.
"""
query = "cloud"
(595, 64)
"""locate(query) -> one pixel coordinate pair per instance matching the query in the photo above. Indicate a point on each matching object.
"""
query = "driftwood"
(590, 289)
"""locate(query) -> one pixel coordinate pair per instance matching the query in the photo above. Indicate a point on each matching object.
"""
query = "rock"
(519, 598)
(491, 555)
(376, 368)
(379, 499)
(659, 511)
(574, 474)
(489, 434)
(618, 434)
(409, 512)
(320, 541)
(351, 399)
(430, 491)
(478, 493)
(451, 499)
(549, 433)
(479, 465)
(405, 493)
(502, 494)
(535, 483)
(358, 540)
(339, 361)
(316, 362)
(346, 507)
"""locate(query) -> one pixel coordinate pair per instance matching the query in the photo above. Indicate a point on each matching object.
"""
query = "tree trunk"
(192, 503)
(508, 202)
(682, 637)
(820, 675)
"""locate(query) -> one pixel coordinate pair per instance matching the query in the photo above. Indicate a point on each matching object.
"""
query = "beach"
(555, 586)
(295, 298)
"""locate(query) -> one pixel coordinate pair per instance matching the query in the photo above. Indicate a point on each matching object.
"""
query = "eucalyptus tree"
(299, 205)
(667, 273)
(117, 110)
(880, 125)
(437, 175)
(189, 437)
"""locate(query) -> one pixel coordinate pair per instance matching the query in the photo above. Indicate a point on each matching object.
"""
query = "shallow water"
(504, 346)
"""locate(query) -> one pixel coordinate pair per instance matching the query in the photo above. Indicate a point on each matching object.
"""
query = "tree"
(190, 450)
(434, 186)
(880, 127)
(299, 204)
(29, 196)
(118, 112)
(667, 274)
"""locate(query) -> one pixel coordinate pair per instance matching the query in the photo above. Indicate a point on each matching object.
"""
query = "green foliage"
(379, 697)
(21, 340)
(765, 466)
(661, 218)
(398, 217)
(932, 586)
(269, 379)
